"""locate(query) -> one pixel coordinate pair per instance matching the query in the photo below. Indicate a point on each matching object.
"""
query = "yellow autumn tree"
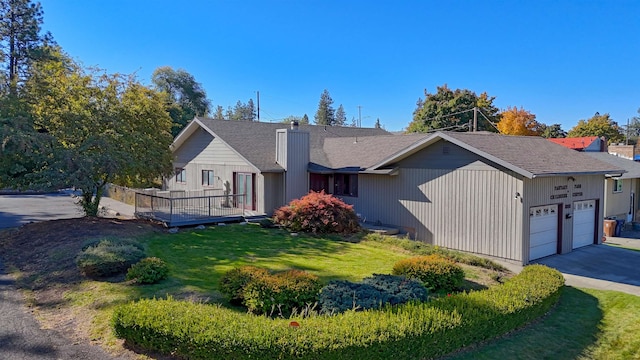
(514, 121)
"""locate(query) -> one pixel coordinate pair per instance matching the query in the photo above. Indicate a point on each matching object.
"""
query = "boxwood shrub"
(436, 272)
(148, 271)
(372, 293)
(279, 294)
(410, 331)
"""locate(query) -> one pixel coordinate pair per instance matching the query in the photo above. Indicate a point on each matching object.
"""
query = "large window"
(208, 178)
(345, 185)
(181, 175)
(617, 185)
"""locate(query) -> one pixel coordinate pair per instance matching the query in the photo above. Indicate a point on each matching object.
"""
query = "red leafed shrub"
(318, 212)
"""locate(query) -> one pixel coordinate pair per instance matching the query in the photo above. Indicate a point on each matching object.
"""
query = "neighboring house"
(625, 151)
(512, 197)
(620, 192)
(586, 143)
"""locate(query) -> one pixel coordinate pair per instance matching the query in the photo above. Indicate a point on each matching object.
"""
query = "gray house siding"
(552, 190)
(292, 153)
(273, 192)
(618, 204)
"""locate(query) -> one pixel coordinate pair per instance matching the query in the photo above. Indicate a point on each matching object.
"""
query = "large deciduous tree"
(514, 121)
(552, 131)
(102, 128)
(453, 110)
(185, 96)
(598, 125)
(325, 115)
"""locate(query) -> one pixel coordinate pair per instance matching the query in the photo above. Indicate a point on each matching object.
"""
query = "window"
(346, 185)
(207, 178)
(617, 185)
(181, 175)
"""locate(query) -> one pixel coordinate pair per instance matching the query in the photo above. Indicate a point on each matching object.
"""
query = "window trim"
(618, 186)
(209, 176)
(181, 175)
(350, 185)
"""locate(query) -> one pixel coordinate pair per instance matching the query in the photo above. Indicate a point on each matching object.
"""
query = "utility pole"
(258, 96)
(359, 116)
(475, 118)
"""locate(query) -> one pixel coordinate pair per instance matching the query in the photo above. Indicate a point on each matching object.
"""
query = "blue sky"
(561, 60)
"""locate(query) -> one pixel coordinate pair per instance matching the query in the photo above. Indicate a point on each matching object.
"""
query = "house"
(512, 197)
(585, 143)
(620, 192)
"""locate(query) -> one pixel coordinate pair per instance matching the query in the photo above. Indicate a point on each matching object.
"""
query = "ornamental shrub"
(435, 272)
(372, 293)
(148, 271)
(235, 280)
(318, 212)
(106, 258)
(414, 330)
(281, 293)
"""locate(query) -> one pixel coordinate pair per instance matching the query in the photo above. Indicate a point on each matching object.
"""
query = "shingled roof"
(256, 141)
(530, 156)
(632, 167)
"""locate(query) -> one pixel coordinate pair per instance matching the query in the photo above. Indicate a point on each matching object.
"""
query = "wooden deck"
(191, 210)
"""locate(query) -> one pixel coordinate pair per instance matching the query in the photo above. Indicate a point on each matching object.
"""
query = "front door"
(244, 186)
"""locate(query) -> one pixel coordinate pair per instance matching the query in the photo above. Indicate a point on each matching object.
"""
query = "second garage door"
(543, 231)
(584, 221)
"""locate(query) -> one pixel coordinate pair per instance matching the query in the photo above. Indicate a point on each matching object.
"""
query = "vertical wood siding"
(470, 210)
(618, 204)
(539, 191)
(292, 153)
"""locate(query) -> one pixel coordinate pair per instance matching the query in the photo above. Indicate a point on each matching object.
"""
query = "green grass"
(197, 259)
(586, 324)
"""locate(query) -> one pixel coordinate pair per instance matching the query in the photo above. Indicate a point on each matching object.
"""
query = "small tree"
(318, 212)
(325, 114)
(514, 121)
(598, 125)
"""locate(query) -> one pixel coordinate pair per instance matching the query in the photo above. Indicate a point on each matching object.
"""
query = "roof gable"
(576, 143)
(530, 156)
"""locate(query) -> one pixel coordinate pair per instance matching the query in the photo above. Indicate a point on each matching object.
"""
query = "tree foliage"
(340, 117)
(452, 110)
(21, 40)
(325, 115)
(552, 131)
(514, 121)
(185, 96)
(102, 128)
(598, 125)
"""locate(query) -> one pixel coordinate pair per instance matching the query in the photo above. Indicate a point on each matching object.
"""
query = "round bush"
(235, 280)
(281, 293)
(148, 271)
(372, 293)
(318, 212)
(435, 272)
(106, 259)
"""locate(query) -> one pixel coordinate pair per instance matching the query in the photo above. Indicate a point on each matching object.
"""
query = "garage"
(584, 218)
(543, 222)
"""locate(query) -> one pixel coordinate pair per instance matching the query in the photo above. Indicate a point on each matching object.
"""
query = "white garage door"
(543, 233)
(584, 218)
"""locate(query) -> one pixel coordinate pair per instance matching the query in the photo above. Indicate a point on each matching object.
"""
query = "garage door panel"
(584, 217)
(543, 231)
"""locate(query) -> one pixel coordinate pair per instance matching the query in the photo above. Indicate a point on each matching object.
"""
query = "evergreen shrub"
(372, 293)
(107, 258)
(436, 272)
(148, 271)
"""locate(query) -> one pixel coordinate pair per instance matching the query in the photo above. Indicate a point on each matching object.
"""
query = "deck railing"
(173, 210)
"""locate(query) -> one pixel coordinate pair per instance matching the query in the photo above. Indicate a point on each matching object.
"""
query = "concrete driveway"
(599, 267)
(20, 209)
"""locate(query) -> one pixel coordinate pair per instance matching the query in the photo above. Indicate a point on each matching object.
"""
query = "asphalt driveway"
(20, 209)
(599, 267)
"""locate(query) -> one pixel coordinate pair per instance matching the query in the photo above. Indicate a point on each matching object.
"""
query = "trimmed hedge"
(372, 293)
(281, 293)
(411, 331)
(435, 272)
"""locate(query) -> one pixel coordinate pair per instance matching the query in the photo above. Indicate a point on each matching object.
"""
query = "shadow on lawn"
(566, 332)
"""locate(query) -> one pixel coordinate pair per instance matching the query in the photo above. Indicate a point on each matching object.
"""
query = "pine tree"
(378, 126)
(325, 114)
(341, 116)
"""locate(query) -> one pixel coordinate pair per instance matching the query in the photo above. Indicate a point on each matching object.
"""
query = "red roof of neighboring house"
(577, 143)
